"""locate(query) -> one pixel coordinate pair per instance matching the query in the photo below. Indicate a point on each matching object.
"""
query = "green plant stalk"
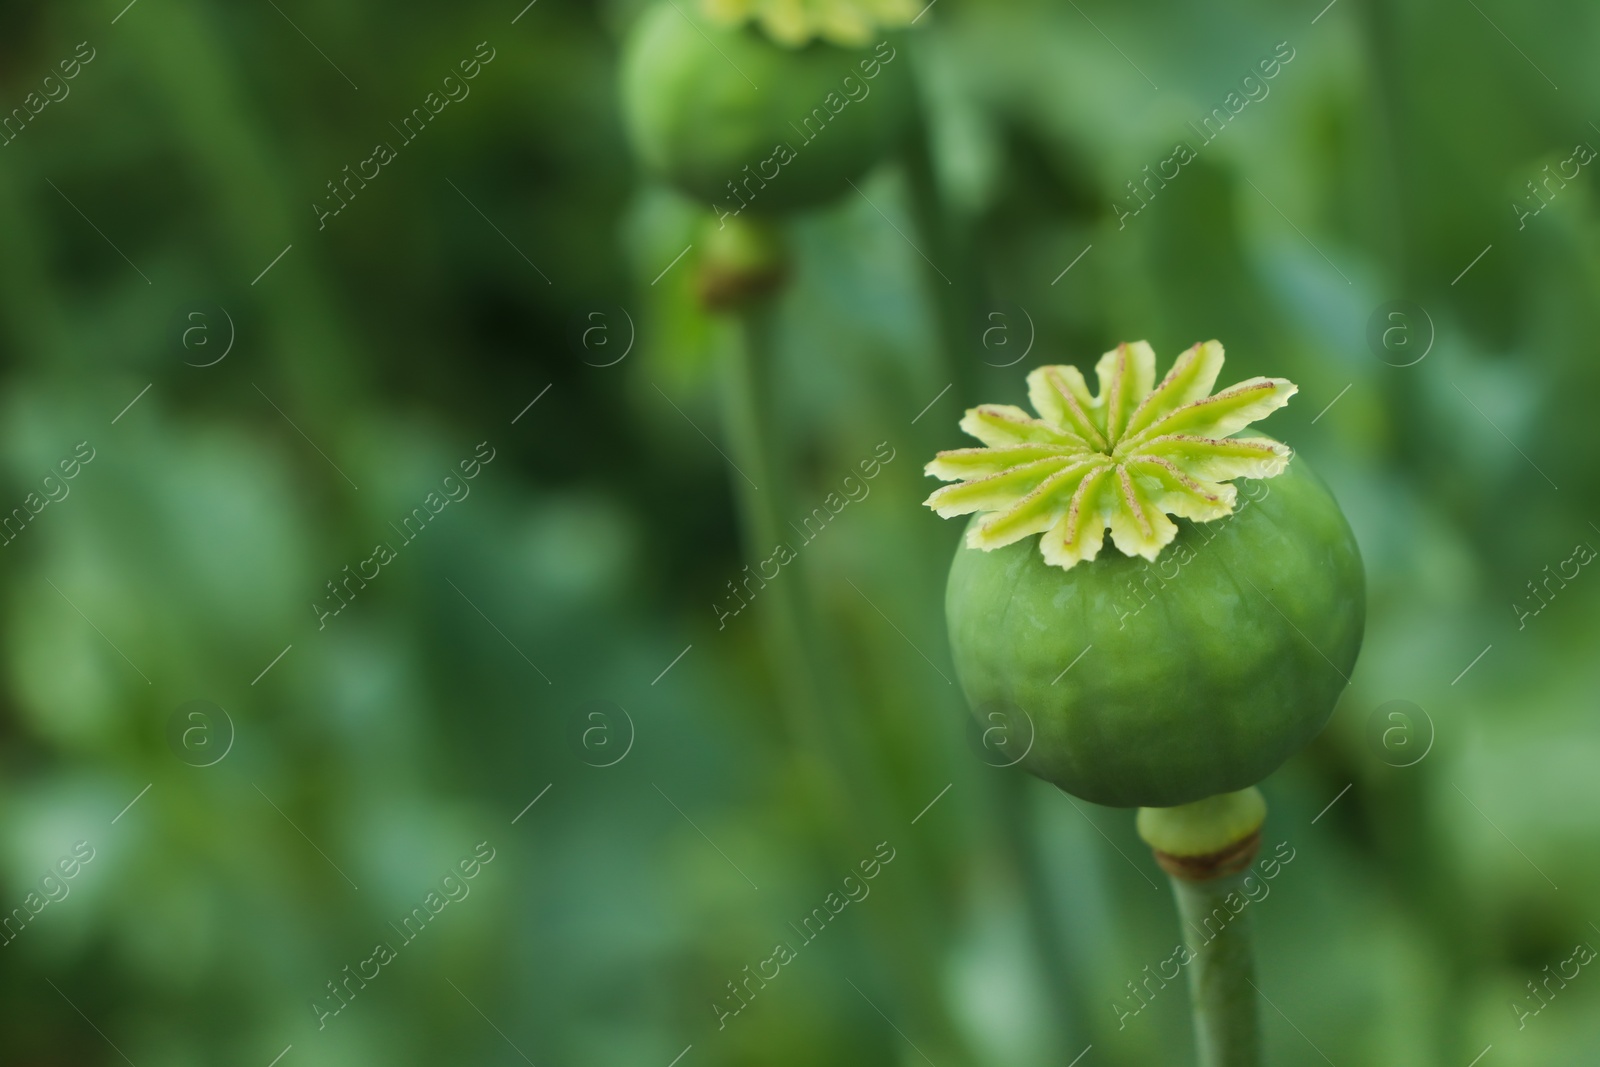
(791, 647)
(946, 276)
(747, 428)
(245, 173)
(1227, 1030)
(840, 782)
(1017, 817)
(1206, 848)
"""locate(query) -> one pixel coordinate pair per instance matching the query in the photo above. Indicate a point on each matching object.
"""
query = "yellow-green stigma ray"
(851, 23)
(1122, 459)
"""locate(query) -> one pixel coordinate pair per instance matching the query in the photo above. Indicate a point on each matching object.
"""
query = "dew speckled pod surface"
(1203, 654)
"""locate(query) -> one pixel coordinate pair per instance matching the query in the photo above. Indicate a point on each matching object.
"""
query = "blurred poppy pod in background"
(742, 122)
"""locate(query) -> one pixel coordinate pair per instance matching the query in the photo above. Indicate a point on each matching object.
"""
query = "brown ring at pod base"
(1212, 865)
(723, 289)
(741, 261)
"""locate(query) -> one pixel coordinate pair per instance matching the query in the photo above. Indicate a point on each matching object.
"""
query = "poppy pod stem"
(758, 489)
(950, 285)
(1206, 847)
(833, 768)
(744, 262)
(1175, 708)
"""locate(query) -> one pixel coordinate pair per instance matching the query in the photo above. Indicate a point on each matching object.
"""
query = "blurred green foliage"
(781, 748)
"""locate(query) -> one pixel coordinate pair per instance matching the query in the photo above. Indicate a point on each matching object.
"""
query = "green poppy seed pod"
(1205, 651)
(743, 123)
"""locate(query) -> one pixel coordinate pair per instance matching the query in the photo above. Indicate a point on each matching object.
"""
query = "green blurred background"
(551, 636)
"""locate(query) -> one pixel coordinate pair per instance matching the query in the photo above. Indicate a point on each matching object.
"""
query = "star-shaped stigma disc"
(1123, 459)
